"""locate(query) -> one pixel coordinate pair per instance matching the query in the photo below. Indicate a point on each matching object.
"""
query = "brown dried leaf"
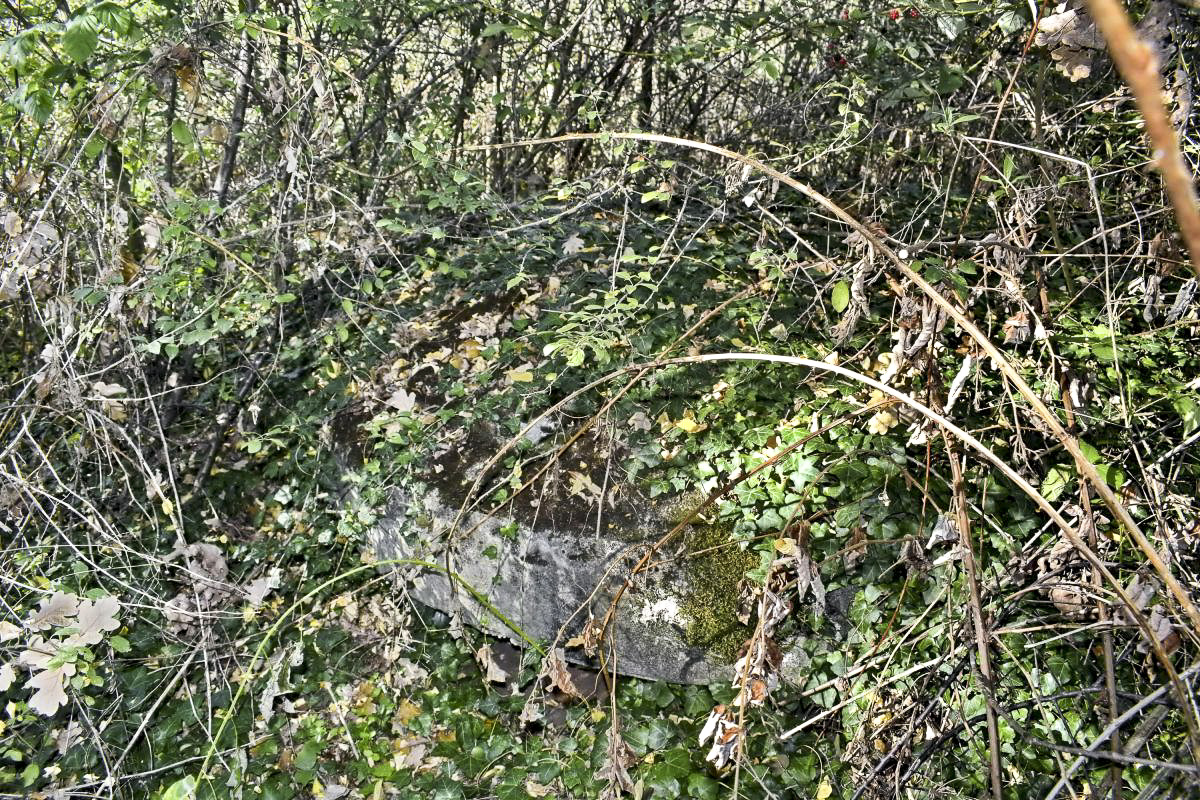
(7, 676)
(55, 610)
(49, 689)
(555, 668)
(615, 769)
(1016, 328)
(94, 619)
(572, 245)
(492, 670)
(589, 638)
(857, 548)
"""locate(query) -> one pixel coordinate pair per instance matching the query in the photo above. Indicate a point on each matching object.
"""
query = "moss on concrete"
(710, 607)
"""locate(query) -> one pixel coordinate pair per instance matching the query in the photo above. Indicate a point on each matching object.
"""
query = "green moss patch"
(710, 607)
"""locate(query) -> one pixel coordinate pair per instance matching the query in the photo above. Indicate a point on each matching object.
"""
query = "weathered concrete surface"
(546, 565)
(545, 579)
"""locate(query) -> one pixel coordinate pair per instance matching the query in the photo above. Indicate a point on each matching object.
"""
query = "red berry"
(913, 13)
(894, 14)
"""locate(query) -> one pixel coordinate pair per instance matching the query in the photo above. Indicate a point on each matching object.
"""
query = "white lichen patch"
(664, 611)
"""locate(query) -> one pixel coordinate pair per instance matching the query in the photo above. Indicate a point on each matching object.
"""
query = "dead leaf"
(189, 82)
(402, 400)
(492, 670)
(278, 674)
(589, 638)
(535, 789)
(258, 589)
(882, 422)
(640, 422)
(1073, 39)
(49, 689)
(406, 712)
(555, 668)
(857, 548)
(689, 424)
(1075, 64)
(572, 245)
(55, 610)
(582, 485)
(1016, 328)
(94, 619)
(944, 532)
(618, 758)
(108, 390)
(7, 676)
(519, 375)
(724, 732)
(334, 791)
(12, 223)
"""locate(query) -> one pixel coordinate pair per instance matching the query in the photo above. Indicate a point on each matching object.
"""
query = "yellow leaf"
(520, 376)
(168, 507)
(407, 711)
(824, 791)
(882, 422)
(688, 424)
(189, 82)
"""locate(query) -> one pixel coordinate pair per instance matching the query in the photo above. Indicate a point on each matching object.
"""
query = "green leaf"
(181, 132)
(841, 296)
(1112, 475)
(306, 758)
(702, 786)
(182, 789)
(119, 643)
(79, 39)
(1056, 482)
(33, 100)
(1189, 413)
(113, 17)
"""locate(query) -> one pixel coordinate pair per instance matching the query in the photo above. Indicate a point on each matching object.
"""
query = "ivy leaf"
(841, 296)
(79, 40)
